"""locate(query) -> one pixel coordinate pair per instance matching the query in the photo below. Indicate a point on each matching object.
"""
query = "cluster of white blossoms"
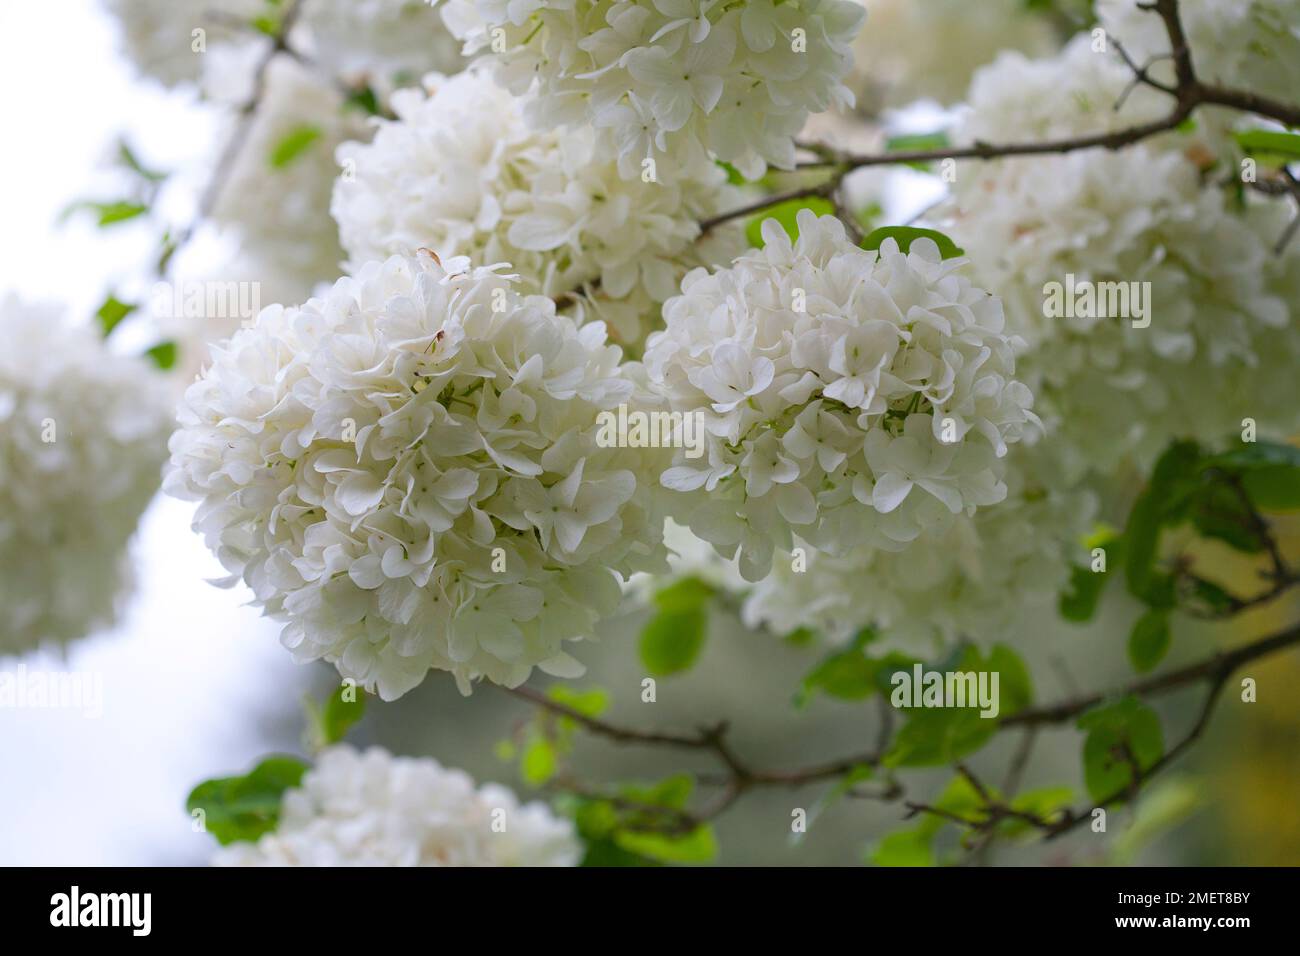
(668, 79)
(1176, 362)
(408, 471)
(375, 40)
(461, 173)
(167, 39)
(83, 436)
(979, 578)
(370, 808)
(1253, 44)
(276, 190)
(382, 40)
(847, 396)
(928, 49)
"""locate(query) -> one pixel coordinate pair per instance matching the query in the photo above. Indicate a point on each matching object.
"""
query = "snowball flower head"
(928, 49)
(1251, 45)
(277, 192)
(369, 808)
(168, 39)
(976, 579)
(461, 173)
(83, 435)
(390, 38)
(1119, 386)
(408, 472)
(671, 77)
(847, 395)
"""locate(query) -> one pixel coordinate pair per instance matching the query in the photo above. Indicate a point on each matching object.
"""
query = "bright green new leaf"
(906, 235)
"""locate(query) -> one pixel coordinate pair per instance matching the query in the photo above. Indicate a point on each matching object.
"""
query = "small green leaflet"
(906, 235)
(244, 808)
(294, 143)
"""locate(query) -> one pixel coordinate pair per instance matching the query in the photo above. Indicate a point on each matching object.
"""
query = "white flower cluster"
(408, 472)
(1252, 44)
(373, 809)
(381, 40)
(976, 579)
(83, 436)
(375, 40)
(928, 49)
(276, 192)
(1111, 386)
(670, 78)
(848, 396)
(461, 173)
(167, 39)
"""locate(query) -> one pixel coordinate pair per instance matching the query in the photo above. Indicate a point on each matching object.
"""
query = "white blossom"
(406, 472)
(379, 39)
(168, 39)
(670, 77)
(1113, 387)
(276, 191)
(928, 49)
(461, 173)
(847, 395)
(977, 578)
(369, 808)
(82, 439)
(1252, 45)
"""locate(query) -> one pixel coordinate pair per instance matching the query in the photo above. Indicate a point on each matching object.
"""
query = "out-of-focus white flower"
(370, 808)
(928, 49)
(1253, 45)
(1112, 386)
(977, 578)
(461, 173)
(848, 396)
(670, 78)
(83, 434)
(385, 39)
(407, 472)
(168, 39)
(276, 193)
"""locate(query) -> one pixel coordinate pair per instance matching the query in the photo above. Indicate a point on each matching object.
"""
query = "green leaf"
(1218, 512)
(339, 714)
(1149, 640)
(1015, 687)
(539, 761)
(1163, 502)
(244, 808)
(1127, 723)
(845, 675)
(698, 846)
(293, 144)
(913, 847)
(163, 355)
(906, 235)
(673, 638)
(107, 213)
(1271, 147)
(589, 703)
(785, 213)
(917, 142)
(365, 99)
(127, 157)
(1269, 473)
(937, 736)
(1079, 603)
(1044, 803)
(113, 311)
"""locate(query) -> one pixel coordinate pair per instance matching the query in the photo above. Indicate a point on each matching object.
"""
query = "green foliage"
(631, 827)
(914, 846)
(1149, 640)
(549, 738)
(673, 638)
(917, 142)
(785, 213)
(1120, 736)
(112, 312)
(108, 213)
(330, 722)
(1079, 602)
(934, 736)
(906, 235)
(1270, 147)
(162, 355)
(365, 99)
(127, 157)
(293, 145)
(244, 808)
